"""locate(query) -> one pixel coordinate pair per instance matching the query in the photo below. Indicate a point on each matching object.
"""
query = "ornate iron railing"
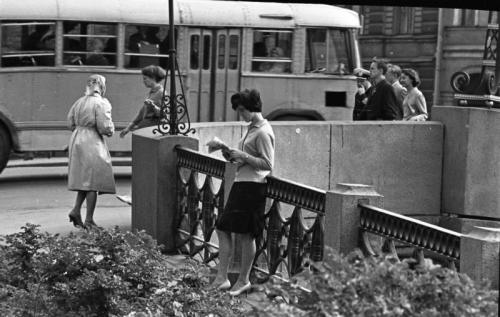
(287, 242)
(409, 231)
(198, 206)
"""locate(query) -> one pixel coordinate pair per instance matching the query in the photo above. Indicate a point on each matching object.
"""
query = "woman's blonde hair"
(95, 83)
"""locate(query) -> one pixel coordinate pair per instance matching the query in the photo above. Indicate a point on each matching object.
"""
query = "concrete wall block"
(402, 161)
(479, 255)
(342, 214)
(465, 225)
(471, 165)
(303, 152)
(154, 184)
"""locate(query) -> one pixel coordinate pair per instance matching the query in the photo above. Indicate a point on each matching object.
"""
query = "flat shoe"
(245, 288)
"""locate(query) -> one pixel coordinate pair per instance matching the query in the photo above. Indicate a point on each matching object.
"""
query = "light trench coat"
(89, 166)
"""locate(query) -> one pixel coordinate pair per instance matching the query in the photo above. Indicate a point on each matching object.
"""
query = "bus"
(300, 57)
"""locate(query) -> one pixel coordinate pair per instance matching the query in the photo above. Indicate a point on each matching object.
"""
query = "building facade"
(435, 42)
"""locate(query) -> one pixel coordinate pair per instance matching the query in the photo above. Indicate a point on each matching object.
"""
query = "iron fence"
(424, 237)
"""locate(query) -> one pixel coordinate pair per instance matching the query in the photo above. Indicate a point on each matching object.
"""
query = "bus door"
(227, 73)
(213, 74)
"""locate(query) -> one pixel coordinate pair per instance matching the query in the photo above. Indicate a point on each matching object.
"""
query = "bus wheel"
(5, 148)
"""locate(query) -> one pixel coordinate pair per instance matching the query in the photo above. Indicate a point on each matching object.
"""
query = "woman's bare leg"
(224, 255)
(247, 257)
(80, 197)
(91, 202)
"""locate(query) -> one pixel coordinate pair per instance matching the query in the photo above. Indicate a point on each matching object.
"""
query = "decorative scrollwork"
(174, 117)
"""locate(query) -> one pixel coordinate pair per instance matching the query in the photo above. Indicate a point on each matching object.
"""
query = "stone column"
(342, 214)
(154, 183)
(479, 255)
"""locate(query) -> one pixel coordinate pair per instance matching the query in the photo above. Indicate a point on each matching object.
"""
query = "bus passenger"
(149, 114)
(34, 40)
(89, 166)
(95, 57)
(143, 36)
(244, 210)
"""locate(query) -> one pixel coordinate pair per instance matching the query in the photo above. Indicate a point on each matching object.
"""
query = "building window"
(465, 17)
(403, 20)
(27, 44)
(272, 51)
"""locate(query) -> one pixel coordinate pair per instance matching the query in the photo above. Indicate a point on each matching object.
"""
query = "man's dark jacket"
(382, 104)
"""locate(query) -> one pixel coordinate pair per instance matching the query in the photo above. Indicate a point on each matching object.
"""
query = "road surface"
(35, 192)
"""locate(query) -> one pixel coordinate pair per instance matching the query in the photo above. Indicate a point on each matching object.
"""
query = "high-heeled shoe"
(245, 288)
(224, 286)
(76, 220)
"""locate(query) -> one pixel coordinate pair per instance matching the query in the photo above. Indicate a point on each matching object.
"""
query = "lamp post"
(174, 116)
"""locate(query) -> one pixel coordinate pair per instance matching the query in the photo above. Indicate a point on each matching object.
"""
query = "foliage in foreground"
(358, 286)
(114, 273)
(100, 273)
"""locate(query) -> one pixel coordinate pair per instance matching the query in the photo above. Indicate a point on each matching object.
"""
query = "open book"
(216, 144)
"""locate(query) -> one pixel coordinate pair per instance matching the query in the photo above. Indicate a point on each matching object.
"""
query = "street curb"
(21, 178)
(60, 163)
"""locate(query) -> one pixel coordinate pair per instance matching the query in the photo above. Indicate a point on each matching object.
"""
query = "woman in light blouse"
(414, 105)
(245, 207)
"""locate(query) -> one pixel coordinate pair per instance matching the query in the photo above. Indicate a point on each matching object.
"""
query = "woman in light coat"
(414, 105)
(89, 168)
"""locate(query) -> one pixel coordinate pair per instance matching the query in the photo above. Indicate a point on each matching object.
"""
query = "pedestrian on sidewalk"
(245, 207)
(392, 76)
(382, 103)
(89, 167)
(149, 114)
(414, 105)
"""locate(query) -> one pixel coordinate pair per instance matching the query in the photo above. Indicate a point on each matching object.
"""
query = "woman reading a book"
(244, 210)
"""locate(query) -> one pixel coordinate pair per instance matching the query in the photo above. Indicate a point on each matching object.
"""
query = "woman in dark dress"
(244, 210)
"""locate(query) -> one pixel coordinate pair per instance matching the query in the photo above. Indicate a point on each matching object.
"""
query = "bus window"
(233, 51)
(272, 51)
(328, 51)
(27, 44)
(92, 44)
(195, 51)
(147, 45)
(222, 51)
(206, 51)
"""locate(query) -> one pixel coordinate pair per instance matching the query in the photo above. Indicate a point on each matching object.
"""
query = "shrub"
(358, 286)
(100, 273)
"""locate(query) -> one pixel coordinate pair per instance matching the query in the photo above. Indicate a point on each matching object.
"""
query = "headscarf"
(95, 83)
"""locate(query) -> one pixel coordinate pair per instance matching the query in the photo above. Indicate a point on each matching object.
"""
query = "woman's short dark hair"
(413, 75)
(249, 99)
(155, 72)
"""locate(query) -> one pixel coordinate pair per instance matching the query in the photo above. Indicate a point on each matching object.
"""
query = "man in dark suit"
(382, 103)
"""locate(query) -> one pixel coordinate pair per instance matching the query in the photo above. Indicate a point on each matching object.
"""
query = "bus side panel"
(280, 92)
(40, 113)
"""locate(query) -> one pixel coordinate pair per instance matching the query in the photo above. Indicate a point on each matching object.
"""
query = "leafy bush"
(358, 286)
(100, 273)
(114, 273)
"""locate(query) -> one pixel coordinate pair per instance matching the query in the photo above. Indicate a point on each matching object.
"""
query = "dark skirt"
(244, 210)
